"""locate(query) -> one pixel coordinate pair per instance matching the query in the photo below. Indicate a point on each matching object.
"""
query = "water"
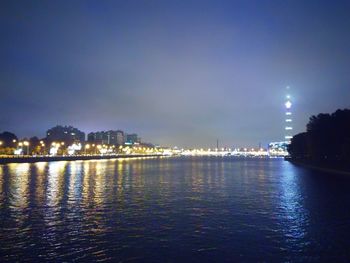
(173, 210)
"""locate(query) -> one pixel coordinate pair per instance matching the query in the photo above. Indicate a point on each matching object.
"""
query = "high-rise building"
(120, 137)
(95, 137)
(107, 137)
(66, 134)
(288, 117)
(132, 138)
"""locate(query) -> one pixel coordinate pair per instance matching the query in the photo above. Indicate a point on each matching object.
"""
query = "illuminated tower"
(288, 121)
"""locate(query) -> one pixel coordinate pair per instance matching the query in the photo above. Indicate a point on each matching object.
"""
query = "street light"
(87, 147)
(26, 143)
(42, 147)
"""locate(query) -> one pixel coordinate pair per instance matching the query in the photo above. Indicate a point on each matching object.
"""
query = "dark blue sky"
(176, 72)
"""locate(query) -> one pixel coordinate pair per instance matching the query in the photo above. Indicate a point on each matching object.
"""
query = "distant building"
(107, 137)
(95, 137)
(115, 137)
(132, 138)
(120, 137)
(66, 134)
(278, 149)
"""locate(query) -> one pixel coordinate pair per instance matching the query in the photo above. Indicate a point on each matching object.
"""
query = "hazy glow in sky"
(177, 72)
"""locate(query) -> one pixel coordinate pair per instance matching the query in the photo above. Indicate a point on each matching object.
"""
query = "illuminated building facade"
(277, 149)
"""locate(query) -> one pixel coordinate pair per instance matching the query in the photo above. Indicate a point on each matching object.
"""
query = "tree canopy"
(327, 136)
(8, 139)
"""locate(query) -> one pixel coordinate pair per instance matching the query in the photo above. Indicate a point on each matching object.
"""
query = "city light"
(288, 104)
(288, 121)
(101, 146)
(175, 131)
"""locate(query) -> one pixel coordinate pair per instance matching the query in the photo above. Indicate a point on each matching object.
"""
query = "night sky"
(176, 72)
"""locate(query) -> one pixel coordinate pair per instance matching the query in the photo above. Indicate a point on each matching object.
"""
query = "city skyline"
(180, 74)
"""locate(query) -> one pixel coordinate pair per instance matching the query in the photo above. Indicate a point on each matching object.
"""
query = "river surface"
(193, 209)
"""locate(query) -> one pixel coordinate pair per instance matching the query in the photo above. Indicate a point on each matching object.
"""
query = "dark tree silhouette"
(34, 145)
(298, 147)
(327, 138)
(8, 139)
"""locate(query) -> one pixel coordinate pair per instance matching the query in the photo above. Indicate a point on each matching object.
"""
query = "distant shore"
(34, 159)
(332, 168)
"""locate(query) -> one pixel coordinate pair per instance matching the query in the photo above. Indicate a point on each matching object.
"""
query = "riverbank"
(34, 159)
(326, 167)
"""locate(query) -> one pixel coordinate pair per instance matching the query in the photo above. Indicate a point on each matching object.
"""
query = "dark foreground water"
(173, 210)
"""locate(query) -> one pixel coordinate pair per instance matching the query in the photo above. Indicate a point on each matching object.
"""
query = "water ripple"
(171, 210)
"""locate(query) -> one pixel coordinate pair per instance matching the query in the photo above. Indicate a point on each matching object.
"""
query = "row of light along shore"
(70, 141)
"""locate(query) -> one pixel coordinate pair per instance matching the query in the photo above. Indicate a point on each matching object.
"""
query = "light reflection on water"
(172, 209)
(295, 215)
(20, 190)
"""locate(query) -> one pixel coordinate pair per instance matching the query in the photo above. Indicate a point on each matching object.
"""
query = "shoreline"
(317, 167)
(32, 159)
